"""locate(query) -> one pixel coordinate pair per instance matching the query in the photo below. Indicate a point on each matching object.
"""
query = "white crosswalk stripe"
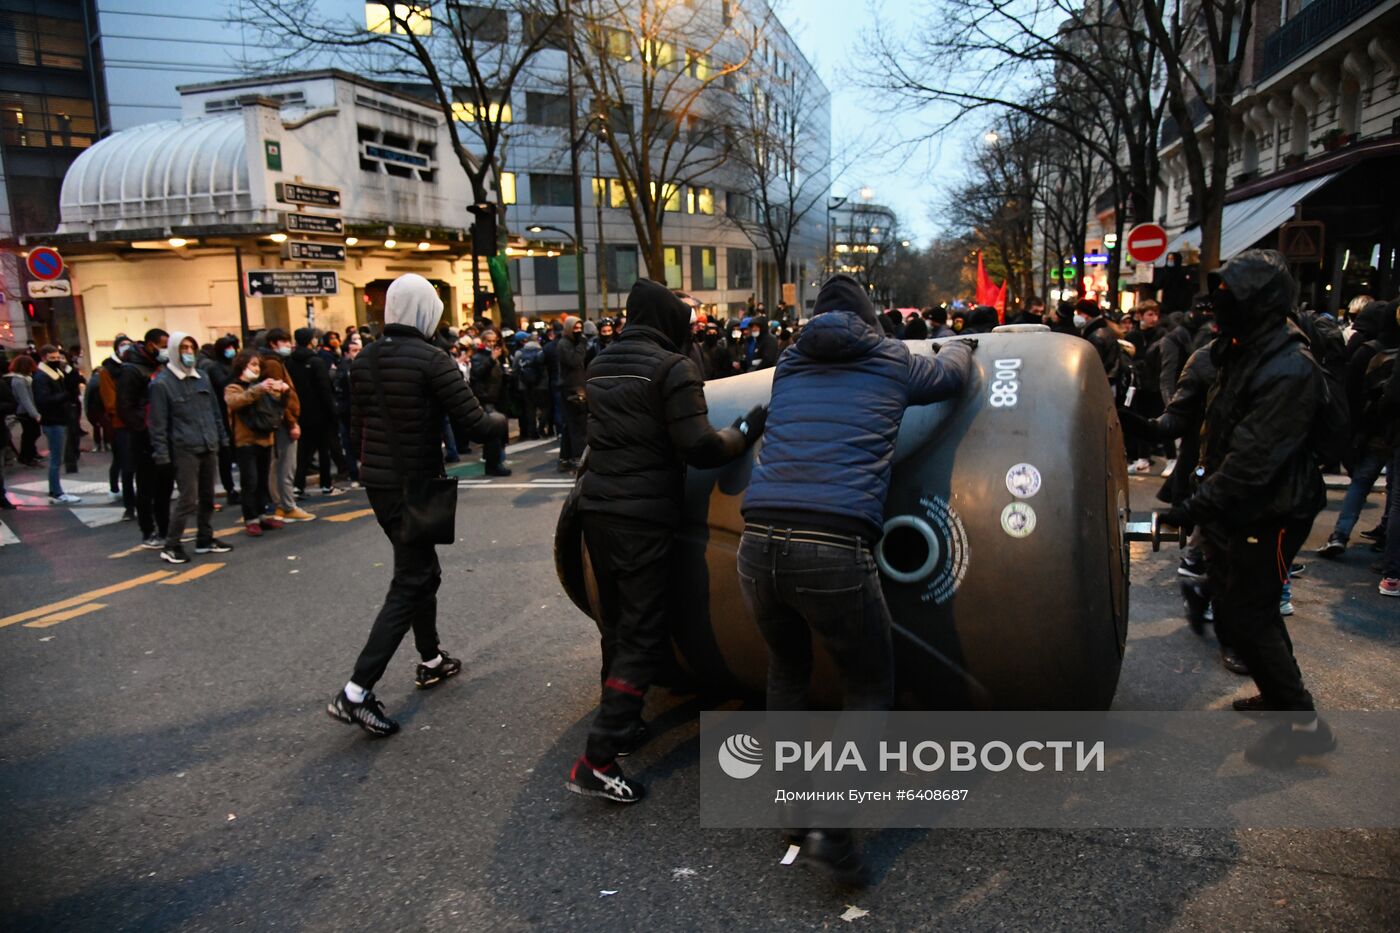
(7, 536)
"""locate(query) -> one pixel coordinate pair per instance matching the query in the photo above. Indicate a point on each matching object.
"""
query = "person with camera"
(256, 408)
(815, 507)
(647, 421)
(402, 386)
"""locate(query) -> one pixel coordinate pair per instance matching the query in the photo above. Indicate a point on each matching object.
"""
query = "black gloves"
(751, 425)
(1176, 517)
(1135, 424)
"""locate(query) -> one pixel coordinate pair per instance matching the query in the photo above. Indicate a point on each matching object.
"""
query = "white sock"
(1306, 727)
(433, 663)
(354, 692)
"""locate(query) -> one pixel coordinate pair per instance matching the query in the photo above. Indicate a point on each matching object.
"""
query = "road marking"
(7, 536)
(70, 486)
(85, 597)
(349, 516)
(58, 617)
(96, 517)
(203, 570)
(531, 445)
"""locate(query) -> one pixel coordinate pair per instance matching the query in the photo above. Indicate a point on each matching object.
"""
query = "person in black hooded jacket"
(312, 379)
(647, 420)
(1259, 483)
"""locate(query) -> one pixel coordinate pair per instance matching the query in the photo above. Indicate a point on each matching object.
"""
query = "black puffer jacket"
(312, 379)
(641, 435)
(1257, 465)
(134, 388)
(421, 384)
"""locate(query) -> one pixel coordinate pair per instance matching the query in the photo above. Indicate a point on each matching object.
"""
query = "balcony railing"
(1314, 23)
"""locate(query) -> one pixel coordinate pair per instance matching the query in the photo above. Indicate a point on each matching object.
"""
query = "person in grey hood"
(187, 430)
(573, 363)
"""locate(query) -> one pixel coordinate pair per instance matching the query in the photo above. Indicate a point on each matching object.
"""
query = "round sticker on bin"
(1018, 519)
(1023, 480)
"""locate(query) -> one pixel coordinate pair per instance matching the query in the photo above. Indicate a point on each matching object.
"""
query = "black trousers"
(226, 461)
(631, 562)
(1248, 568)
(315, 441)
(493, 449)
(575, 437)
(122, 467)
(28, 439)
(412, 598)
(253, 463)
(154, 484)
(796, 590)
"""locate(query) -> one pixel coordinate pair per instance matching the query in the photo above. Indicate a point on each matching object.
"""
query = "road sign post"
(1146, 242)
(289, 283)
(309, 195)
(310, 251)
(313, 224)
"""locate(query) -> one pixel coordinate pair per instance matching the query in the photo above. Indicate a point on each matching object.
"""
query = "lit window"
(670, 197)
(507, 187)
(672, 257)
(697, 65)
(496, 111)
(406, 18)
(657, 53)
(700, 201)
(612, 189)
(619, 43)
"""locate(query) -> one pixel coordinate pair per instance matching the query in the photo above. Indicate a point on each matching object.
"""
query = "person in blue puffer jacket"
(815, 508)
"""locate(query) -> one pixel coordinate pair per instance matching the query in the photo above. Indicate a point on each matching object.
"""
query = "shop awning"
(1247, 222)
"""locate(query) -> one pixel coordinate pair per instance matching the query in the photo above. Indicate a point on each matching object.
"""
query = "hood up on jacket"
(413, 302)
(177, 337)
(567, 330)
(1263, 290)
(842, 292)
(1370, 320)
(651, 304)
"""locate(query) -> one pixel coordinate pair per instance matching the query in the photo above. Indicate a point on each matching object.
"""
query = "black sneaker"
(368, 715)
(1378, 545)
(175, 555)
(432, 676)
(129, 515)
(1375, 534)
(608, 782)
(636, 737)
(1233, 664)
(1283, 744)
(1193, 569)
(1335, 547)
(833, 852)
(213, 547)
(153, 543)
(1297, 570)
(497, 471)
(1254, 704)
(5, 503)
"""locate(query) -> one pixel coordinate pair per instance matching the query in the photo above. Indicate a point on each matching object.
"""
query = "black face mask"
(1229, 313)
(711, 339)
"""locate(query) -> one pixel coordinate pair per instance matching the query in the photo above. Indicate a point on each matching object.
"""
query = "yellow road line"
(64, 616)
(203, 570)
(347, 516)
(127, 553)
(85, 597)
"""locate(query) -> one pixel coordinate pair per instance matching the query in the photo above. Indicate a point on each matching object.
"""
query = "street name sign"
(286, 283)
(311, 195)
(315, 224)
(1147, 242)
(52, 288)
(307, 251)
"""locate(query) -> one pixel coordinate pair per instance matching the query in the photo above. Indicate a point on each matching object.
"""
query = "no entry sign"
(1146, 242)
(44, 263)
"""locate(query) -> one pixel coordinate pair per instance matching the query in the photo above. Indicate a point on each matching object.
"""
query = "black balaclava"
(1260, 288)
(651, 304)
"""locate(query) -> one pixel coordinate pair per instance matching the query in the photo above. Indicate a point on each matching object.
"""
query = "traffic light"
(29, 308)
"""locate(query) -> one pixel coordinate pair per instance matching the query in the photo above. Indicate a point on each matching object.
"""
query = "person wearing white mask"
(187, 430)
(402, 388)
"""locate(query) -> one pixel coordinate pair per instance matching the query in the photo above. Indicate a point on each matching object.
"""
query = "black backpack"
(265, 414)
(1330, 436)
(530, 369)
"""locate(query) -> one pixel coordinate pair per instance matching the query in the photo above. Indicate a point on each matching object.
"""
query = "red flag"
(986, 291)
(1000, 303)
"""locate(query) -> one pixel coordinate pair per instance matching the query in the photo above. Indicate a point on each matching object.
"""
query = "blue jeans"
(56, 435)
(1363, 477)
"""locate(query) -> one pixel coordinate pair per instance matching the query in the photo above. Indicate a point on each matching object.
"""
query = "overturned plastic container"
(1003, 559)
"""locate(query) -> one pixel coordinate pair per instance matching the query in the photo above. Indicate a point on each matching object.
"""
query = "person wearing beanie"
(647, 421)
(402, 388)
(818, 486)
(573, 364)
(187, 430)
(312, 379)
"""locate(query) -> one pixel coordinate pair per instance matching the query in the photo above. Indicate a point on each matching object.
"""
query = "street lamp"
(832, 205)
(990, 137)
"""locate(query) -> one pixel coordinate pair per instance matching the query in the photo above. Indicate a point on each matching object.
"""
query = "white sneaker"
(1167, 471)
(1285, 608)
(65, 499)
(114, 497)
(1140, 466)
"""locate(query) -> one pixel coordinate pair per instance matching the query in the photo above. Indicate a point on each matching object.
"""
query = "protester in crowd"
(915, 328)
(1259, 481)
(938, 323)
(815, 508)
(106, 377)
(20, 381)
(550, 345)
(255, 410)
(488, 382)
(573, 352)
(349, 350)
(215, 364)
(715, 353)
(8, 407)
(1372, 430)
(276, 349)
(532, 382)
(311, 379)
(760, 349)
(54, 402)
(982, 320)
(1388, 407)
(647, 419)
(187, 429)
(403, 386)
(74, 382)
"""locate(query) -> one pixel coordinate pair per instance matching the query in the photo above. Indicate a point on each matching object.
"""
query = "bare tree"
(462, 58)
(659, 74)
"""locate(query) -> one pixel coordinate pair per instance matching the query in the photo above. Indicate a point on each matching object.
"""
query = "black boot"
(834, 853)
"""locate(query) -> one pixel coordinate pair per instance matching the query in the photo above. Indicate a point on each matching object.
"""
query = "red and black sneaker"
(432, 676)
(607, 782)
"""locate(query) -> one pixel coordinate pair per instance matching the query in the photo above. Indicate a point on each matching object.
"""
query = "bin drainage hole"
(908, 551)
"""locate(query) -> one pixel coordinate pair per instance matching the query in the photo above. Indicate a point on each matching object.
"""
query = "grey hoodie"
(412, 301)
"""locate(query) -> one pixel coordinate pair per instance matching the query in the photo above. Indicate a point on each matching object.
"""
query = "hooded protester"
(532, 382)
(715, 353)
(647, 421)
(815, 508)
(54, 402)
(916, 329)
(216, 364)
(573, 364)
(1258, 482)
(982, 320)
(312, 379)
(760, 348)
(403, 386)
(104, 379)
(153, 484)
(187, 431)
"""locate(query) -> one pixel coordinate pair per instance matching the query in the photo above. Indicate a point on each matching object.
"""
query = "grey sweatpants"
(284, 470)
(195, 472)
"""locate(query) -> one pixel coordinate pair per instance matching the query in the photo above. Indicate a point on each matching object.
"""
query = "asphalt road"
(166, 763)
